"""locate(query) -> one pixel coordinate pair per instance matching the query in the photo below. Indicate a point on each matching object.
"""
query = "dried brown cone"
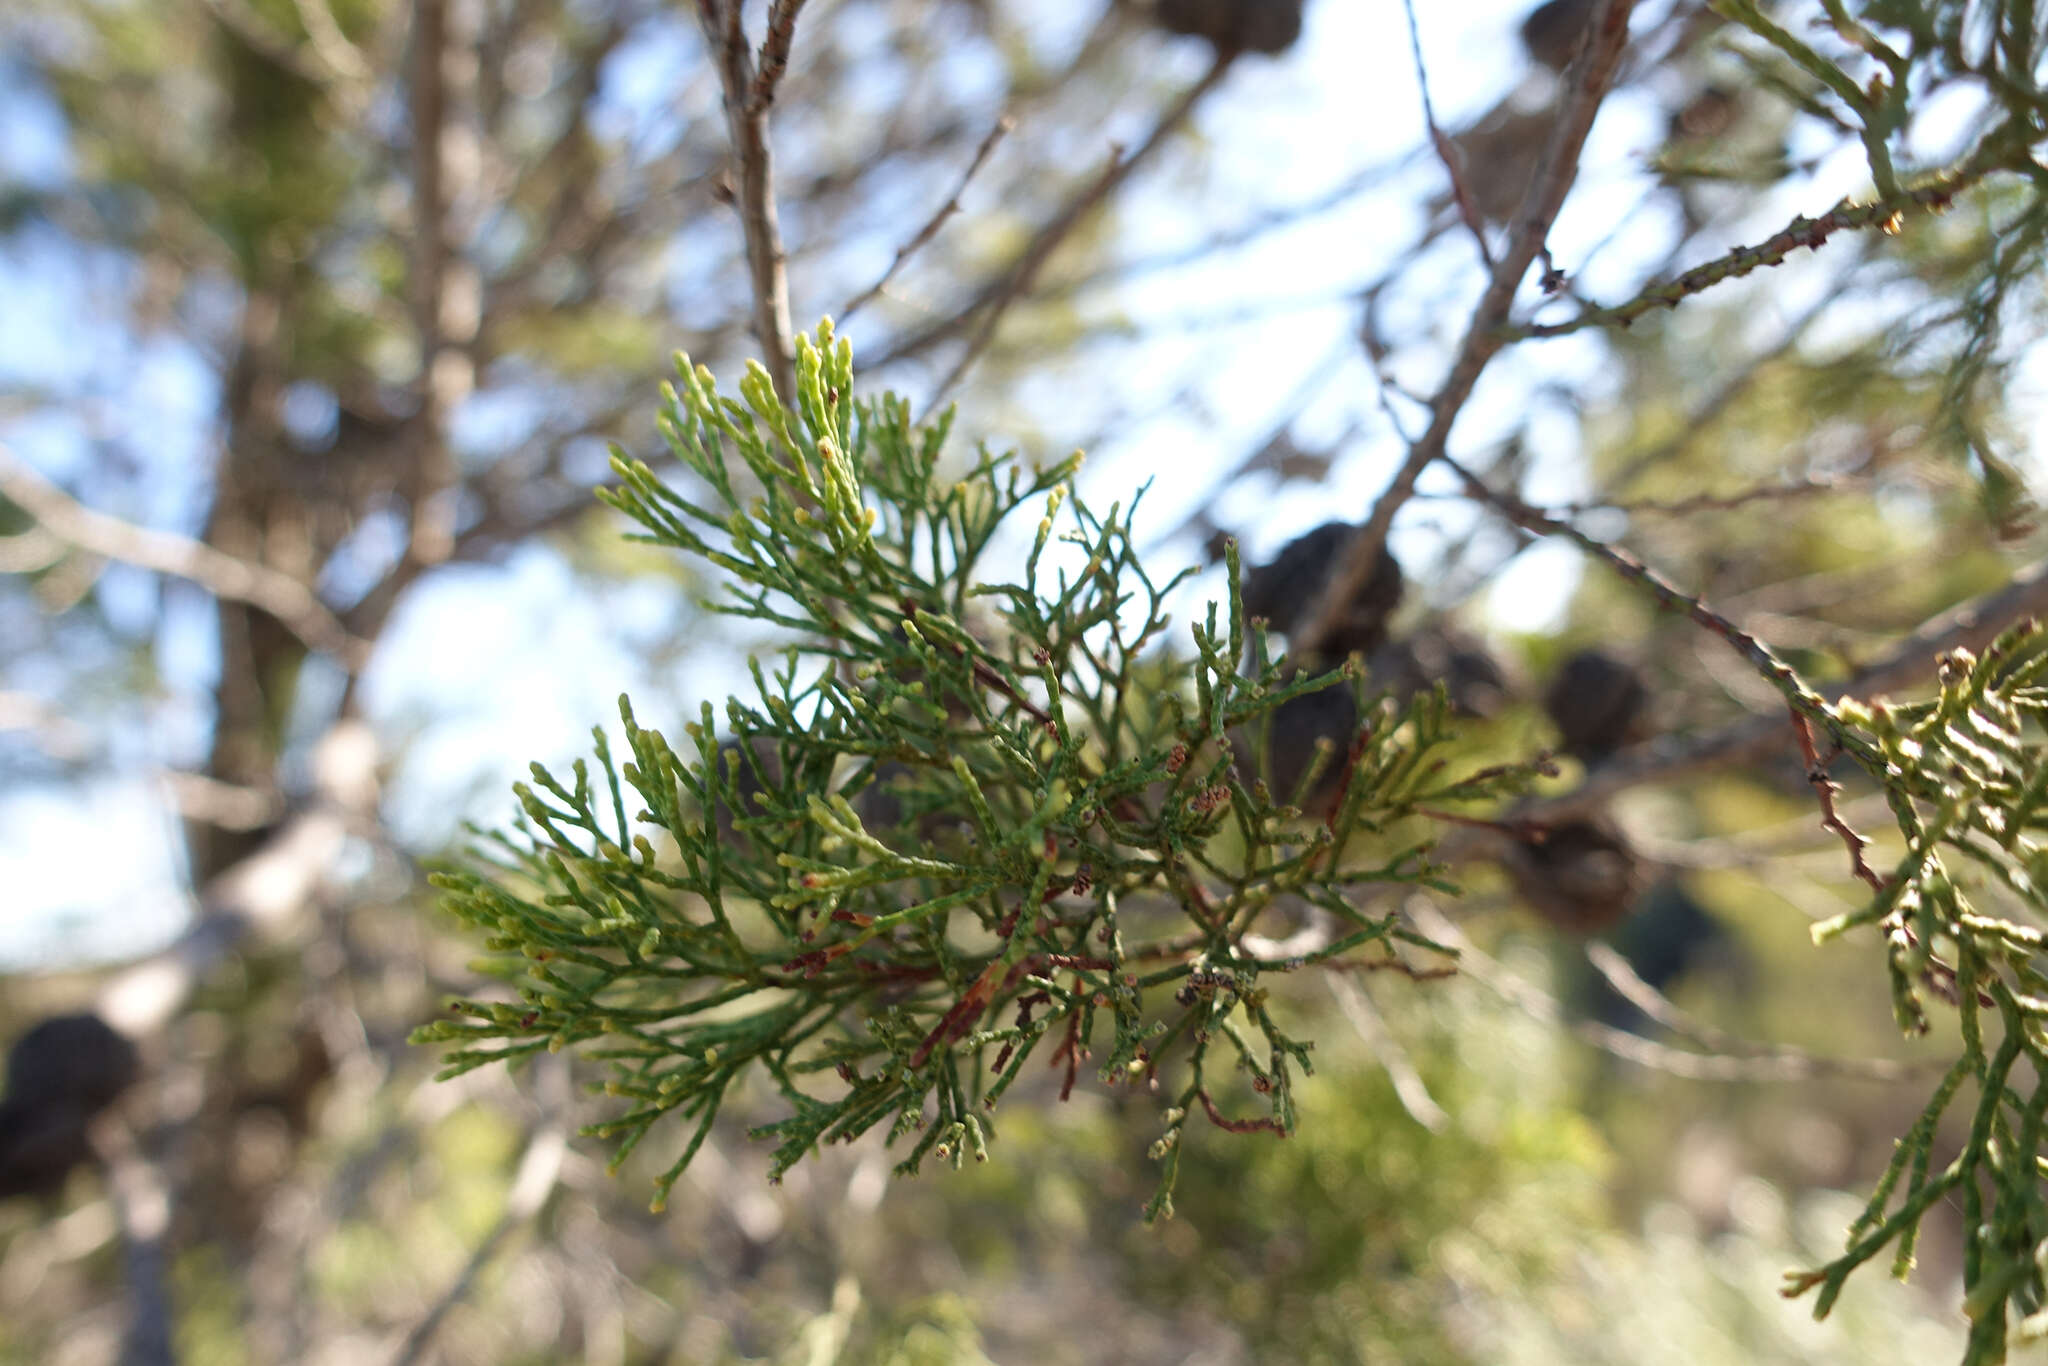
(1581, 876)
(1552, 32)
(60, 1074)
(1599, 705)
(1284, 591)
(1267, 26)
(1474, 680)
(1294, 733)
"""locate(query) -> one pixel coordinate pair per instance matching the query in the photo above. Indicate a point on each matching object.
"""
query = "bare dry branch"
(999, 292)
(1441, 142)
(938, 220)
(996, 299)
(1587, 82)
(1969, 625)
(747, 98)
(282, 596)
(774, 60)
(1754, 1062)
(540, 1167)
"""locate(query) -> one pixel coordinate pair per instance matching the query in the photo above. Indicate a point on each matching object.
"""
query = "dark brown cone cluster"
(1285, 591)
(1297, 727)
(1267, 26)
(1599, 704)
(1552, 32)
(1582, 877)
(60, 1074)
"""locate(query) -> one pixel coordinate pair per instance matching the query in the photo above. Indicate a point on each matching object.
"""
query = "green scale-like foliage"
(1966, 774)
(962, 824)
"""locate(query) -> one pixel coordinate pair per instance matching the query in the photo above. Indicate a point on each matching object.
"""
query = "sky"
(1346, 97)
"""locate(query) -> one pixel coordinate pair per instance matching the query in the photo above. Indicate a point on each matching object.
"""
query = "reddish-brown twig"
(1824, 789)
(1263, 1124)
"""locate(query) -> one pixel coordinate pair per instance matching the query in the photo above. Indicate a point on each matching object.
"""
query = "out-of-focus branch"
(330, 44)
(264, 894)
(1587, 82)
(1780, 675)
(440, 322)
(996, 295)
(1970, 625)
(774, 60)
(1750, 1061)
(748, 95)
(1409, 1088)
(937, 220)
(1440, 141)
(996, 299)
(141, 1199)
(221, 574)
(540, 1166)
(196, 796)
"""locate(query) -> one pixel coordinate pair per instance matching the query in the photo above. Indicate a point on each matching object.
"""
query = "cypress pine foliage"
(1966, 777)
(926, 853)
(965, 822)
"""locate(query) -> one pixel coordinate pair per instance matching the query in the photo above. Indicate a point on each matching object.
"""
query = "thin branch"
(1970, 625)
(1779, 491)
(1757, 1062)
(443, 375)
(226, 806)
(747, 98)
(1269, 452)
(223, 575)
(1776, 491)
(1252, 229)
(1018, 279)
(1934, 197)
(1588, 79)
(265, 894)
(1441, 141)
(1824, 789)
(141, 1199)
(998, 292)
(938, 220)
(330, 44)
(540, 1166)
(1802, 699)
(774, 60)
(1409, 1087)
